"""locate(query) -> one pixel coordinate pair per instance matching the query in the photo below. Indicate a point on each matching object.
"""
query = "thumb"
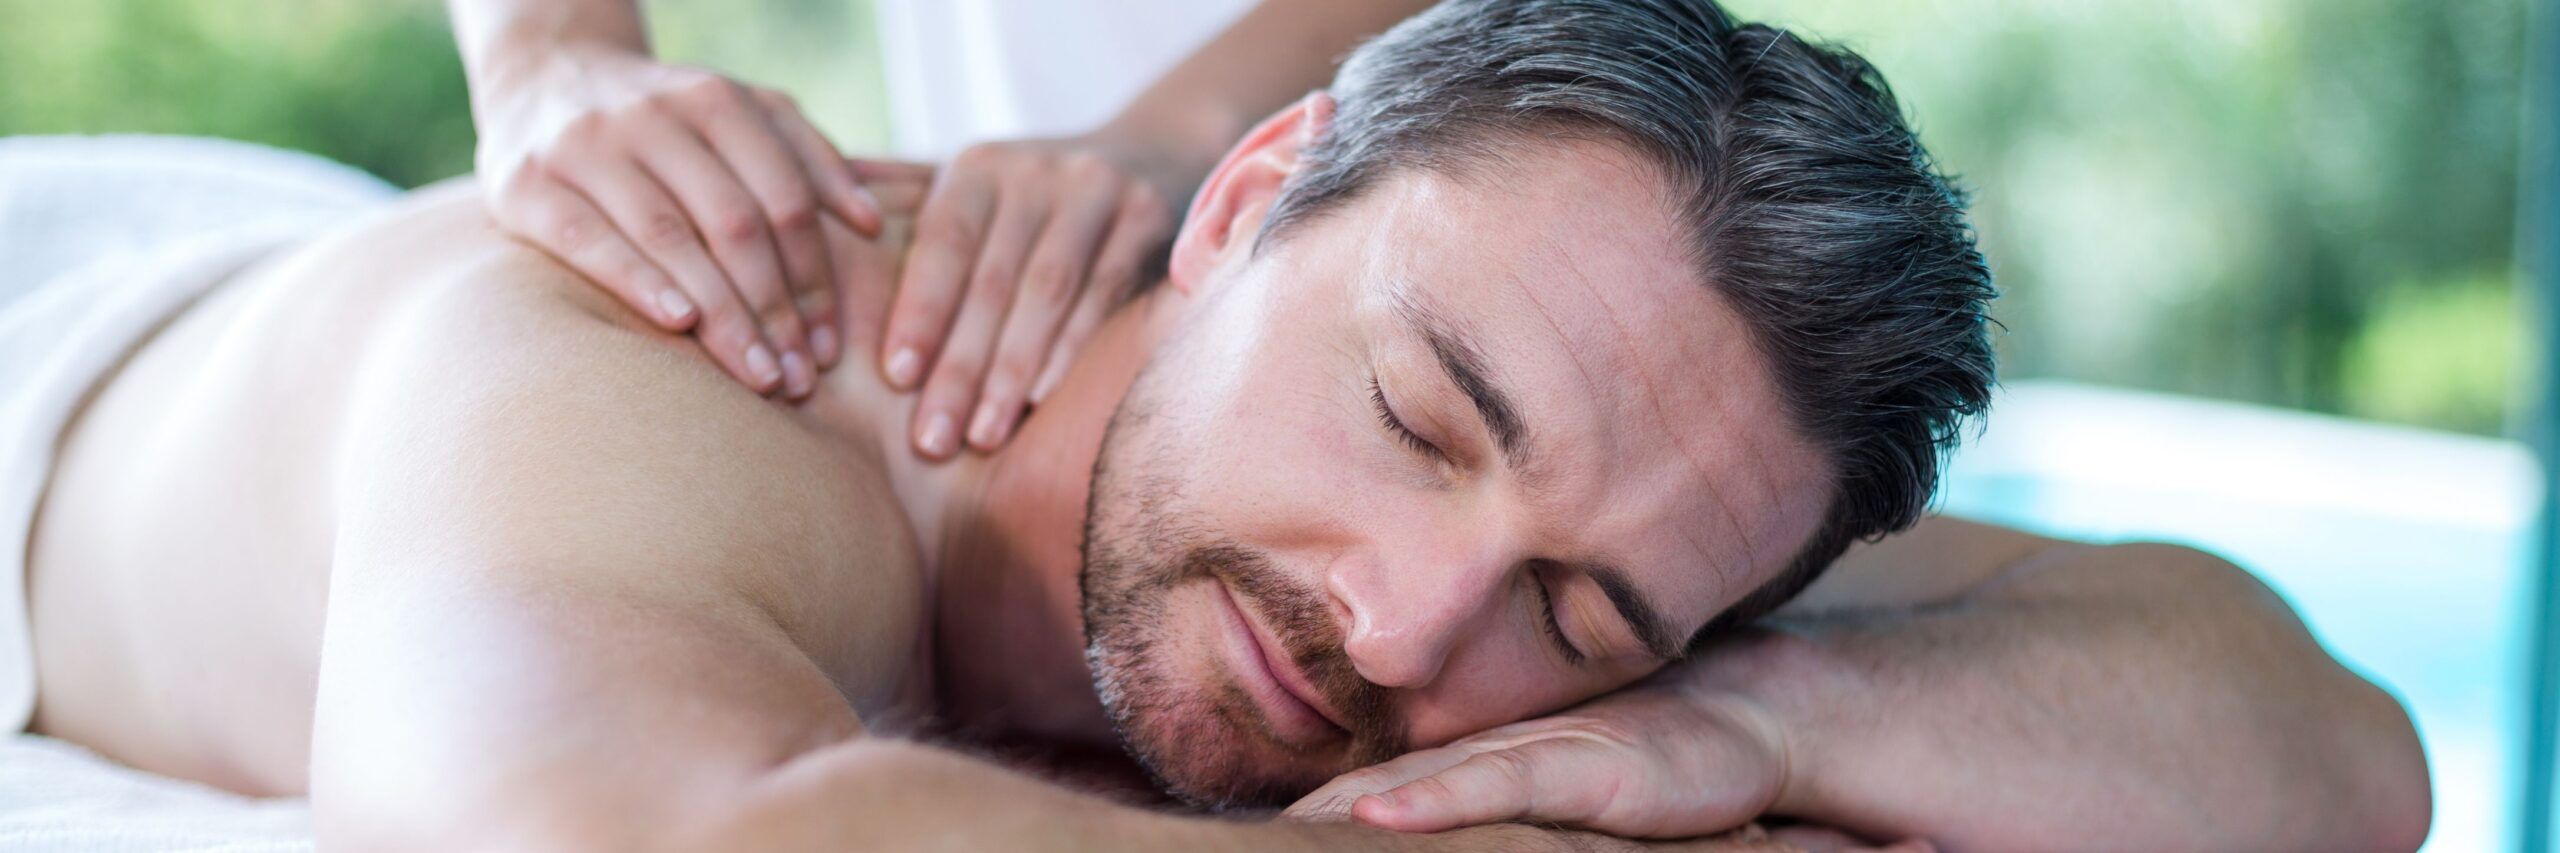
(1557, 780)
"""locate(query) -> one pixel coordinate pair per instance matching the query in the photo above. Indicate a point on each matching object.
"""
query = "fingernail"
(903, 367)
(936, 440)
(674, 307)
(983, 426)
(1388, 799)
(868, 200)
(798, 377)
(761, 366)
(823, 339)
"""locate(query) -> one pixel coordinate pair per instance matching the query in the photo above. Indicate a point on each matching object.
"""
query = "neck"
(1001, 536)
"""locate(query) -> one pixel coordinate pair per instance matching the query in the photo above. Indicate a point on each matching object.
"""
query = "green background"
(2305, 203)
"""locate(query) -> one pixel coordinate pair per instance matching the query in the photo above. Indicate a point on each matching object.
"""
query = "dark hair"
(1816, 214)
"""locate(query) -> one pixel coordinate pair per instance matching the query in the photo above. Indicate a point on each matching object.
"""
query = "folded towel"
(56, 796)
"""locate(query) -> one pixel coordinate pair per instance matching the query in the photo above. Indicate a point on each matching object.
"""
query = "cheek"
(1501, 685)
(1274, 443)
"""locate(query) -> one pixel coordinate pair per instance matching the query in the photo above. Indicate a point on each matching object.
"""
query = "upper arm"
(576, 585)
(1935, 562)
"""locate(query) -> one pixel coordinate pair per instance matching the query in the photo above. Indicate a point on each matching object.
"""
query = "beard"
(1204, 741)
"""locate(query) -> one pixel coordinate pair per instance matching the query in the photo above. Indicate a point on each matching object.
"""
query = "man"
(1559, 340)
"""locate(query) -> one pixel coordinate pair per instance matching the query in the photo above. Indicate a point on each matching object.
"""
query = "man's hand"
(1020, 251)
(692, 197)
(1654, 761)
(1974, 686)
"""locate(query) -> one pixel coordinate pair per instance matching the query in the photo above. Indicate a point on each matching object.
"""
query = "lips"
(1289, 700)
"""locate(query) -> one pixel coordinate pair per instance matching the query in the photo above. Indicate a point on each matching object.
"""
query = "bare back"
(335, 404)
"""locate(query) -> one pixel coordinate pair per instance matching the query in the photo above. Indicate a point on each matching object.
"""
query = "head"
(1555, 338)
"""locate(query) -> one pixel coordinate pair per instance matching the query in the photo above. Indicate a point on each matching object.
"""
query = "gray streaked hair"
(1814, 212)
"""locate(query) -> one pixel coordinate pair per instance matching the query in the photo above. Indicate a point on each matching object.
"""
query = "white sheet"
(55, 796)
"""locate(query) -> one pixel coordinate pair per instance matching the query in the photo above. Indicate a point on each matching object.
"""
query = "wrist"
(1780, 689)
(519, 65)
(1174, 149)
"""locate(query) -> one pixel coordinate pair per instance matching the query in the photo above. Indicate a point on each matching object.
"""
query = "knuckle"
(528, 173)
(1427, 788)
(586, 129)
(570, 236)
(992, 285)
(796, 212)
(777, 313)
(1050, 283)
(1087, 167)
(950, 231)
(661, 103)
(738, 224)
(710, 91)
(1509, 764)
(982, 156)
(665, 230)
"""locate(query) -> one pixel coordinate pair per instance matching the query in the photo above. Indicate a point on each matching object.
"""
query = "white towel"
(102, 239)
(56, 796)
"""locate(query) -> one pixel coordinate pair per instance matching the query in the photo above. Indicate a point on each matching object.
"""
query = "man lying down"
(1535, 371)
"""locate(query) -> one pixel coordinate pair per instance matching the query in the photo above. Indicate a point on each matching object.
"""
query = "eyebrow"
(1465, 363)
(1646, 620)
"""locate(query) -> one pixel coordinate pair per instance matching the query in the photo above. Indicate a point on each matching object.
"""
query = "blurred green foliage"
(373, 84)
(2307, 203)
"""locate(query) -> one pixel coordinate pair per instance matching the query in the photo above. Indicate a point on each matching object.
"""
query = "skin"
(543, 576)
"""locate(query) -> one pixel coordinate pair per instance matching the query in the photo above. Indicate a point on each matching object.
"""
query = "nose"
(1407, 615)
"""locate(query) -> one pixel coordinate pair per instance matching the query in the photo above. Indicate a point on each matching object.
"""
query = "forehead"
(1659, 440)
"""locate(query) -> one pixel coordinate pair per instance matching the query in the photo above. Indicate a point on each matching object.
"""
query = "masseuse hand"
(1020, 251)
(692, 197)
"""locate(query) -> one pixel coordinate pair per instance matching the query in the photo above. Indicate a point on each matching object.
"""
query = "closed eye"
(1555, 629)
(1395, 425)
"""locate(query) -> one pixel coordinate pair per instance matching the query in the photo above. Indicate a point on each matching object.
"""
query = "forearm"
(501, 40)
(2141, 697)
(886, 795)
(1278, 51)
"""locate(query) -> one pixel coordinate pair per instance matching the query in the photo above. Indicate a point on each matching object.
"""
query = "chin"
(1187, 720)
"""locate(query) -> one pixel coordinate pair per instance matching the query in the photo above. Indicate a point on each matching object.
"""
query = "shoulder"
(515, 425)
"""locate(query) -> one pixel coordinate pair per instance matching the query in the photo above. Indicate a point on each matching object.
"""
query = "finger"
(1052, 277)
(732, 224)
(1139, 227)
(952, 389)
(656, 224)
(1553, 781)
(906, 171)
(948, 232)
(1333, 801)
(837, 186)
(564, 223)
(779, 179)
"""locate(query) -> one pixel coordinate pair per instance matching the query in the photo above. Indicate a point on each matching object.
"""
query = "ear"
(1227, 213)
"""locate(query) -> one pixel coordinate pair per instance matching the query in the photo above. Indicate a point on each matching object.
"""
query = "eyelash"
(1555, 629)
(1387, 417)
